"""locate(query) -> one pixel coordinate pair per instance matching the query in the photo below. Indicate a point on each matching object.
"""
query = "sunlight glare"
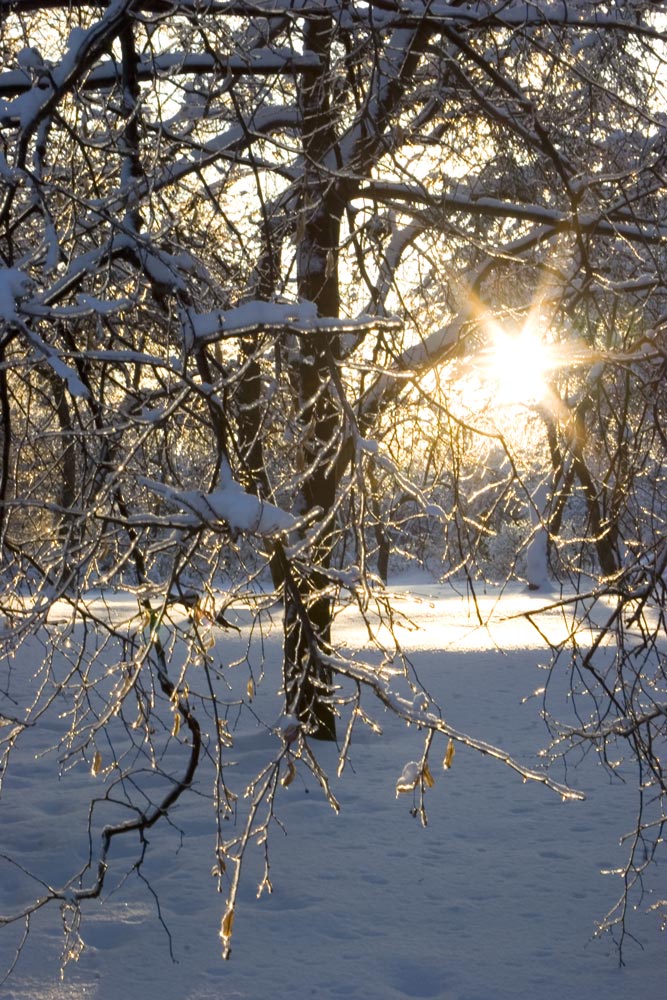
(519, 365)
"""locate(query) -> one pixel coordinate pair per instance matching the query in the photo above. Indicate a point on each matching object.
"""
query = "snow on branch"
(260, 62)
(256, 316)
(85, 305)
(504, 14)
(228, 144)
(83, 48)
(14, 286)
(416, 359)
(389, 13)
(75, 386)
(228, 504)
(413, 200)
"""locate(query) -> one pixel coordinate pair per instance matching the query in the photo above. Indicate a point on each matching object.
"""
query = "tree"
(240, 242)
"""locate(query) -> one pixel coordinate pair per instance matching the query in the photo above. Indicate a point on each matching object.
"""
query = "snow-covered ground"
(496, 898)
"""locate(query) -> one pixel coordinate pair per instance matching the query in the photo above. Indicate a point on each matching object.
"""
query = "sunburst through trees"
(249, 255)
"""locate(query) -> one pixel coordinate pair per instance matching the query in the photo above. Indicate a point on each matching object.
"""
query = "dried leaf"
(427, 776)
(226, 930)
(204, 608)
(449, 755)
(250, 688)
(175, 729)
(289, 775)
(96, 766)
(228, 923)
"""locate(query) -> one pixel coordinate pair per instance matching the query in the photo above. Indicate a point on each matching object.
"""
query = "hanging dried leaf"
(449, 755)
(228, 923)
(226, 931)
(427, 776)
(96, 766)
(204, 608)
(176, 728)
(250, 688)
(289, 775)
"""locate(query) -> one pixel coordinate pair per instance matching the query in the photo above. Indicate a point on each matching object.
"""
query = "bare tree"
(239, 243)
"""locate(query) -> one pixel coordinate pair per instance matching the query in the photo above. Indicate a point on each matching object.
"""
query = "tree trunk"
(307, 678)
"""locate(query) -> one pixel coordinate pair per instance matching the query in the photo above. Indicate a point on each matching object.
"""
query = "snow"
(30, 58)
(24, 108)
(249, 316)
(6, 171)
(229, 503)
(75, 386)
(496, 899)
(408, 778)
(14, 285)
(103, 307)
(365, 445)
(256, 315)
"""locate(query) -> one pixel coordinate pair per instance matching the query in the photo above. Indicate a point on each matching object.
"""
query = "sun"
(518, 366)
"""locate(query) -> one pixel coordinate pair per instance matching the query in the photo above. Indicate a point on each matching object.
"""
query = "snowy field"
(496, 899)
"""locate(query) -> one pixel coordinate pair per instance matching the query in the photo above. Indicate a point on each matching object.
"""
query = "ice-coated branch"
(414, 713)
